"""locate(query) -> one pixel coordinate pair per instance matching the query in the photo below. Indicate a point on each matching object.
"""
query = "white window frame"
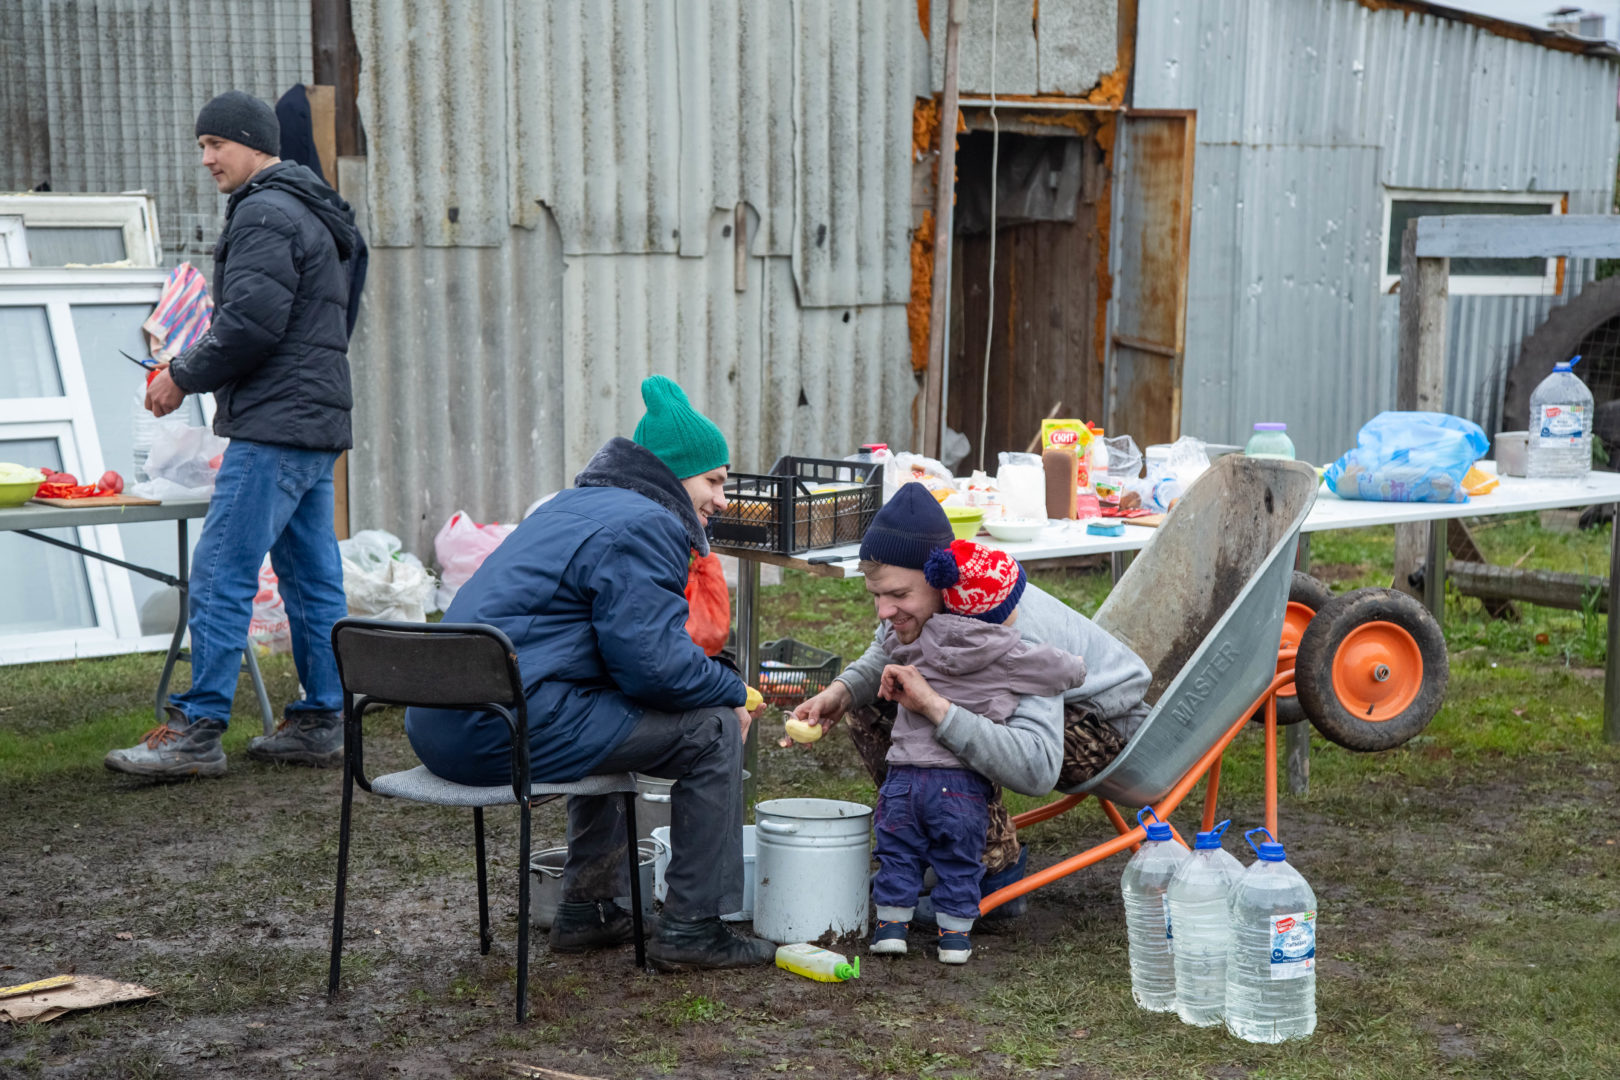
(134, 213)
(1473, 284)
(13, 246)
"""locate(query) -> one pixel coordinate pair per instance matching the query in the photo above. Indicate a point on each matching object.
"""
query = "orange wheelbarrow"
(1215, 610)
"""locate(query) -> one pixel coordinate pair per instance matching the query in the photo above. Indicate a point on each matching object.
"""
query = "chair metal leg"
(635, 878)
(342, 884)
(483, 881)
(523, 915)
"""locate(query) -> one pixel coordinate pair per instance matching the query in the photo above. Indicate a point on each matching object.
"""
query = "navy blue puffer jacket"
(591, 589)
(287, 275)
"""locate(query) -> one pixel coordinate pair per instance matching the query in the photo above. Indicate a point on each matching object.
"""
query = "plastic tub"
(661, 867)
(1015, 530)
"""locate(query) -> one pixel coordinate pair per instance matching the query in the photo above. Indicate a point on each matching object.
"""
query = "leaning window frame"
(1473, 284)
(134, 212)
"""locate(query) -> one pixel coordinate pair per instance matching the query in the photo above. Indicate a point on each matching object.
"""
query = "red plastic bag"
(709, 618)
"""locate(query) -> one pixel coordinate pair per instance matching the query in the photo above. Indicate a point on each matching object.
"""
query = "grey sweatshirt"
(1026, 753)
(978, 666)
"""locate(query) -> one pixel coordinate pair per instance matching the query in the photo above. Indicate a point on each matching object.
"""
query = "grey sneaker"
(302, 738)
(175, 748)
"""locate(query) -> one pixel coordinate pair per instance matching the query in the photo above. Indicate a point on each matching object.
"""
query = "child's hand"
(905, 686)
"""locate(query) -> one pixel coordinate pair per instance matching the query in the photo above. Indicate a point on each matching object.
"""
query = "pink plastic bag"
(461, 548)
(269, 631)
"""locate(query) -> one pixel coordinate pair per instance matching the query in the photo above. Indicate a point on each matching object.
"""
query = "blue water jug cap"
(1156, 829)
(1565, 365)
(1210, 839)
(1270, 851)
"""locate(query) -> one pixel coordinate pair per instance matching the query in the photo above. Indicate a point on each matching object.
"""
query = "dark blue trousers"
(931, 817)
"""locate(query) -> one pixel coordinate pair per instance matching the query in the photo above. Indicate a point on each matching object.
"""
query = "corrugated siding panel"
(1307, 111)
(102, 95)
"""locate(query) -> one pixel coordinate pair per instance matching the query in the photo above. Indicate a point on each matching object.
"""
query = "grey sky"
(1534, 12)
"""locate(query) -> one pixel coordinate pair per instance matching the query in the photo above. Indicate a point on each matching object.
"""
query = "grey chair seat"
(420, 785)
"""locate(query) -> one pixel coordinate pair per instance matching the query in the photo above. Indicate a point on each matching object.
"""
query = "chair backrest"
(444, 665)
(1204, 607)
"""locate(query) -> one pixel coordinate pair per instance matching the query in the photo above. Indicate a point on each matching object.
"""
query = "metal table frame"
(26, 520)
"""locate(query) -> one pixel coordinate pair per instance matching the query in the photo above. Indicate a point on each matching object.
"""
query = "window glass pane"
(117, 388)
(46, 587)
(58, 245)
(1403, 210)
(29, 370)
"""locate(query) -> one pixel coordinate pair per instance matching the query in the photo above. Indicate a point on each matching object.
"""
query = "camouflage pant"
(1089, 743)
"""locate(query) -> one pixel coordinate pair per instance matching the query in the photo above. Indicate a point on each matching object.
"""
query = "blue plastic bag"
(1409, 457)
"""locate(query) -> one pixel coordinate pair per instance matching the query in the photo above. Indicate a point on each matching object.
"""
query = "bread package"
(1062, 482)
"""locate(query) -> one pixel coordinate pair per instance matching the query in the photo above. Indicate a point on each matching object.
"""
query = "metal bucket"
(545, 886)
(814, 860)
(661, 867)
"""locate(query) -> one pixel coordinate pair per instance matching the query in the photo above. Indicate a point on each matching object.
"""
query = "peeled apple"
(801, 732)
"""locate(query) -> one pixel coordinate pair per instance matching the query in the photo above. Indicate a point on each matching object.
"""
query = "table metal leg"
(183, 562)
(1611, 685)
(259, 690)
(1119, 562)
(748, 662)
(1297, 737)
(1434, 571)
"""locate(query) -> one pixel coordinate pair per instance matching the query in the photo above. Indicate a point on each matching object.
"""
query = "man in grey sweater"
(1026, 753)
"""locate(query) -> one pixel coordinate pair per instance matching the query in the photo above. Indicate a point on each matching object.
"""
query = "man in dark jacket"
(591, 590)
(286, 290)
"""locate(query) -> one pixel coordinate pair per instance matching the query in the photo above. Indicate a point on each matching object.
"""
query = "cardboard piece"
(85, 992)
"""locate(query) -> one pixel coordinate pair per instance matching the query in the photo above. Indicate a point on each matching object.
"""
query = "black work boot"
(303, 738)
(176, 748)
(582, 925)
(692, 944)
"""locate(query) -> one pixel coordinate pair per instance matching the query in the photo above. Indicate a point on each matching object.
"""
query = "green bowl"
(965, 520)
(17, 494)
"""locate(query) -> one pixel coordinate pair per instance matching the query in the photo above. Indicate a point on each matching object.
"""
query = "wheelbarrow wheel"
(1306, 596)
(1372, 669)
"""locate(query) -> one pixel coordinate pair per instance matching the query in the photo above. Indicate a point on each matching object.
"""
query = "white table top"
(1066, 539)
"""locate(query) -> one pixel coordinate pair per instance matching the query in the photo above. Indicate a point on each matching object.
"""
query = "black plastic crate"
(781, 513)
(791, 671)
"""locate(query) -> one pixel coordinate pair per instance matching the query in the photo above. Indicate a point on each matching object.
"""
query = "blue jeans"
(932, 817)
(275, 499)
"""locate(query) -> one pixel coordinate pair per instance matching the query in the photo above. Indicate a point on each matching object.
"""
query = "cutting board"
(98, 500)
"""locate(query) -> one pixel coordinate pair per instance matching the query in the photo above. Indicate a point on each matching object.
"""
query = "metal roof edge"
(1550, 39)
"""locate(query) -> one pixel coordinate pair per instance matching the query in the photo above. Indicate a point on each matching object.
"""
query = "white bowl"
(1015, 529)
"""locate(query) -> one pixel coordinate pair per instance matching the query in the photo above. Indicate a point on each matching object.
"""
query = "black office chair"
(458, 666)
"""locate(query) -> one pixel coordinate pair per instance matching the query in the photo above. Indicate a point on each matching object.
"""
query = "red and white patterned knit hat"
(976, 581)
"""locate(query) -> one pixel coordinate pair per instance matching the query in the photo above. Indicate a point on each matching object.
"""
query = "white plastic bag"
(382, 582)
(461, 548)
(904, 468)
(188, 457)
(269, 632)
(1022, 481)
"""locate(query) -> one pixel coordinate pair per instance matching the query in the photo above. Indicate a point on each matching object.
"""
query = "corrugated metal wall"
(551, 191)
(102, 95)
(1307, 111)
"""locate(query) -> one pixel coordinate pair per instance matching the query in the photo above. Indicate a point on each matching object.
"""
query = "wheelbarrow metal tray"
(1204, 606)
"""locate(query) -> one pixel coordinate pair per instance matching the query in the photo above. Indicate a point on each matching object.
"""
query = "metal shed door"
(1153, 178)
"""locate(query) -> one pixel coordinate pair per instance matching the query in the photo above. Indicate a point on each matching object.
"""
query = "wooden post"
(1420, 386)
(944, 204)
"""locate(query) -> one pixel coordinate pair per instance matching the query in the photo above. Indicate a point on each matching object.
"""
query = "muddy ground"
(218, 894)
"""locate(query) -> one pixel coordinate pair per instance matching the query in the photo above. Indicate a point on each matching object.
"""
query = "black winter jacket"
(287, 276)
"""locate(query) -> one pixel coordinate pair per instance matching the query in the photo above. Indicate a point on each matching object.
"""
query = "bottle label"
(1293, 945)
(1561, 426)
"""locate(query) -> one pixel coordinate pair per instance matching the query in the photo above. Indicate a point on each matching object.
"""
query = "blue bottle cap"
(1156, 829)
(1270, 851)
(1204, 841)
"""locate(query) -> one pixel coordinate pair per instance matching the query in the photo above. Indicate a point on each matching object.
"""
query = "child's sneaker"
(954, 946)
(889, 938)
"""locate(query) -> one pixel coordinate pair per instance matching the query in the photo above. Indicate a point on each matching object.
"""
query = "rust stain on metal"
(924, 127)
(922, 290)
(1563, 263)
(925, 8)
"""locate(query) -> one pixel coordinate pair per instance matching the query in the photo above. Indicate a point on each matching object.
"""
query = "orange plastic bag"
(709, 620)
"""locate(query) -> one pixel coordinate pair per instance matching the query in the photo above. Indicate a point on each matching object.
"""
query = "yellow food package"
(1065, 435)
(1479, 482)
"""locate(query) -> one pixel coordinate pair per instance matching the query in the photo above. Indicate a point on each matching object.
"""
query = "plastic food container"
(965, 520)
(1015, 530)
(17, 494)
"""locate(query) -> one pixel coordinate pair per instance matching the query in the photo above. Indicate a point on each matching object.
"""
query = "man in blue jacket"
(591, 589)
(287, 275)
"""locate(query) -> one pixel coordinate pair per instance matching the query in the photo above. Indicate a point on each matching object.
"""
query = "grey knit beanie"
(243, 118)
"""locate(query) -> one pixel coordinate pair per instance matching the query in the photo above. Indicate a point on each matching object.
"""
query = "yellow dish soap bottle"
(816, 963)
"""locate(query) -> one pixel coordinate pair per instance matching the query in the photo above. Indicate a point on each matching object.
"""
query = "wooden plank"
(1548, 588)
(322, 122)
(1513, 236)
(1420, 371)
(97, 500)
(1460, 546)
(340, 496)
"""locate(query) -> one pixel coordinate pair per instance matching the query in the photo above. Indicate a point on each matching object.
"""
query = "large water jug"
(1560, 427)
(1198, 897)
(1147, 920)
(1271, 967)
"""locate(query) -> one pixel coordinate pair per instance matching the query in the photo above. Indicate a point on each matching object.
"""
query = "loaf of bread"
(1062, 482)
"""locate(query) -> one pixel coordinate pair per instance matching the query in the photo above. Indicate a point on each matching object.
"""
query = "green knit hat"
(677, 434)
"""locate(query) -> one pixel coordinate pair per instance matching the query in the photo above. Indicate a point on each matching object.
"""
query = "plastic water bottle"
(1560, 427)
(142, 427)
(1270, 440)
(1198, 897)
(1271, 967)
(1147, 919)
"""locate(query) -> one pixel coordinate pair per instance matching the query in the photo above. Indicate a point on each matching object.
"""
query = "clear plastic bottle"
(142, 427)
(1270, 440)
(1198, 896)
(1560, 427)
(1147, 919)
(1271, 967)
